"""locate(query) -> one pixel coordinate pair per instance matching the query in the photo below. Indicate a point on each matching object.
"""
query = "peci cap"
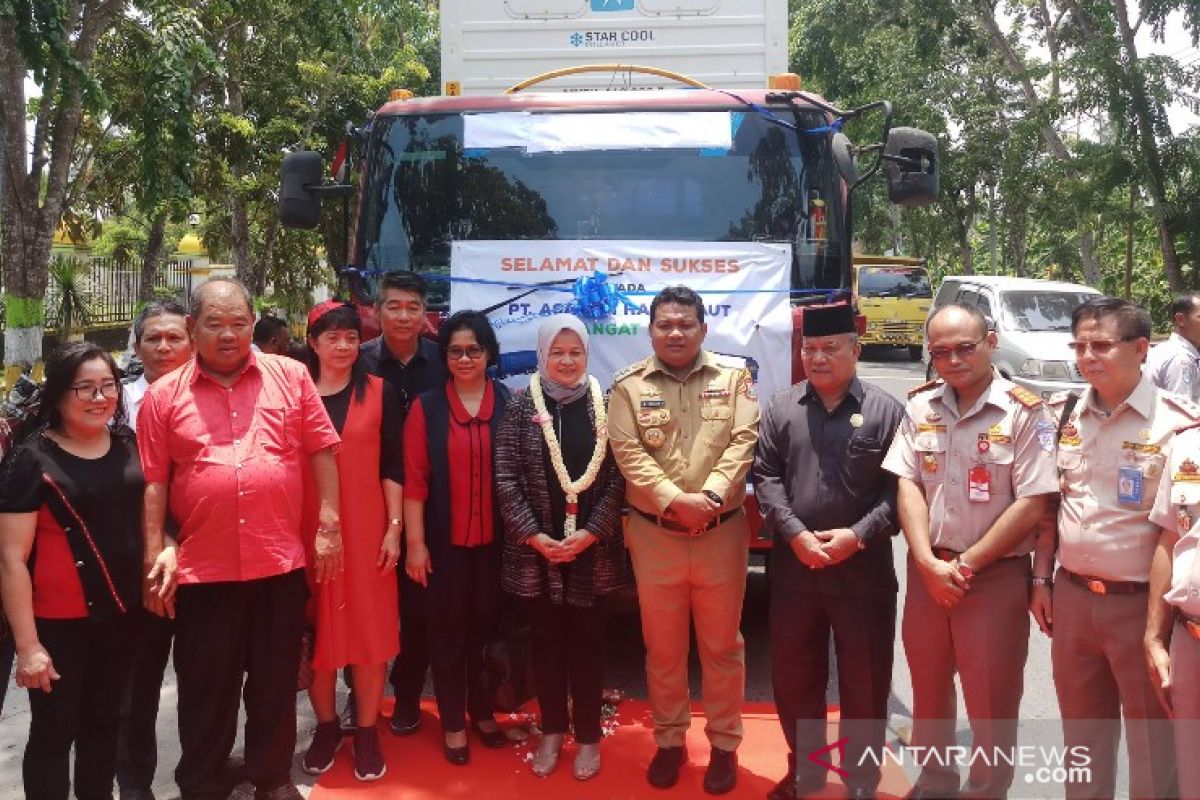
(828, 320)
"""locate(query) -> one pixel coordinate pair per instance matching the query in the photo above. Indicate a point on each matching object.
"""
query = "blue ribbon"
(594, 297)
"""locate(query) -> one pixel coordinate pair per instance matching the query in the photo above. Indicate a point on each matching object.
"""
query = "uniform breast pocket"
(277, 429)
(931, 447)
(1151, 466)
(999, 460)
(1069, 460)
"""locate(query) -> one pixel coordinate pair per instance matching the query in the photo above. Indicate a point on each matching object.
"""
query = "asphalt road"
(889, 369)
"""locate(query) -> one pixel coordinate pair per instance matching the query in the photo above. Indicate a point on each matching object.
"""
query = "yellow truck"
(893, 293)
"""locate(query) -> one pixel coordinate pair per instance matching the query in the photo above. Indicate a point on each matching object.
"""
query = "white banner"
(743, 284)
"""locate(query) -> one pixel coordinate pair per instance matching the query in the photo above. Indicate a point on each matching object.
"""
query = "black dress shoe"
(493, 739)
(923, 793)
(664, 767)
(721, 775)
(285, 792)
(861, 793)
(403, 724)
(790, 789)
(458, 756)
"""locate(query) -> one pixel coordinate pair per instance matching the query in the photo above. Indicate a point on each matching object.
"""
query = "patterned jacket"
(522, 489)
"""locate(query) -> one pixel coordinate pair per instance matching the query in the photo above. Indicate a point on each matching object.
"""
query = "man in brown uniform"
(975, 462)
(683, 424)
(1173, 625)
(1111, 454)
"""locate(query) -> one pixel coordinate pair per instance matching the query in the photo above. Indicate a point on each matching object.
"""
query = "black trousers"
(225, 632)
(93, 660)
(863, 630)
(8, 651)
(568, 664)
(464, 611)
(137, 739)
(408, 670)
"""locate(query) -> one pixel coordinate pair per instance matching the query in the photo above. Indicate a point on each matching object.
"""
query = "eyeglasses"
(962, 350)
(456, 353)
(88, 391)
(1100, 347)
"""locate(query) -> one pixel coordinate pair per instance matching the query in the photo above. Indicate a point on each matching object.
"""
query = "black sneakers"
(326, 741)
(664, 767)
(368, 757)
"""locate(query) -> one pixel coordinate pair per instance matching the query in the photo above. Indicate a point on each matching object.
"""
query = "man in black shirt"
(411, 364)
(832, 510)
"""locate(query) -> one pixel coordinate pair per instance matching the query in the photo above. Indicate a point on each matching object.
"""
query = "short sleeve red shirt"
(232, 458)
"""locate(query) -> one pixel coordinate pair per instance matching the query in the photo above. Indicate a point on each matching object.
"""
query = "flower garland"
(571, 488)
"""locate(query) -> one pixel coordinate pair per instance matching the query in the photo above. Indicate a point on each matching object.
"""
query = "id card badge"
(979, 484)
(1129, 486)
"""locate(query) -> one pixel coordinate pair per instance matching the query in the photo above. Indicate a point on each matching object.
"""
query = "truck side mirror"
(911, 161)
(843, 158)
(299, 207)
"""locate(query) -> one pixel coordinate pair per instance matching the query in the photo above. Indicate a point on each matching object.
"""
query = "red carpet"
(417, 769)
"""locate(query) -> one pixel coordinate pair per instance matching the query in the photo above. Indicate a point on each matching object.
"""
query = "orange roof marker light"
(399, 94)
(784, 82)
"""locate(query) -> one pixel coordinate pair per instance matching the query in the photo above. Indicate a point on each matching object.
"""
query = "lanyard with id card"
(979, 480)
(1129, 486)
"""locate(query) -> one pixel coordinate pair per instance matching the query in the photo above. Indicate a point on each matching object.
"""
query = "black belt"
(1103, 586)
(672, 525)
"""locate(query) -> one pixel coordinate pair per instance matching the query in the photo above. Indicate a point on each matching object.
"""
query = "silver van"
(1032, 320)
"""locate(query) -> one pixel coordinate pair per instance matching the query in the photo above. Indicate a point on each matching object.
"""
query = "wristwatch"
(964, 568)
(711, 495)
(1043, 580)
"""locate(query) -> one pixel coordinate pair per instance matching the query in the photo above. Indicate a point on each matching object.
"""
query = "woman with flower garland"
(560, 495)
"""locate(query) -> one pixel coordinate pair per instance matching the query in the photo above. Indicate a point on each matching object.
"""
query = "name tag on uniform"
(659, 403)
(979, 484)
(714, 394)
(1129, 485)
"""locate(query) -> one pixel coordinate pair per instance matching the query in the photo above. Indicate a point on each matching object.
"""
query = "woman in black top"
(71, 571)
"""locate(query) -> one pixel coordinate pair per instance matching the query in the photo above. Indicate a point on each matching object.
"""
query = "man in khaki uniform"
(975, 462)
(1173, 625)
(683, 425)
(1111, 454)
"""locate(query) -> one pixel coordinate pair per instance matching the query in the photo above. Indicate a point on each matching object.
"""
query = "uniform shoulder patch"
(1187, 427)
(632, 369)
(1185, 405)
(925, 387)
(1024, 397)
(729, 362)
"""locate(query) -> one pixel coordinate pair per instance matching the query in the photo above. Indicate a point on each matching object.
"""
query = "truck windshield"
(424, 187)
(1041, 311)
(893, 282)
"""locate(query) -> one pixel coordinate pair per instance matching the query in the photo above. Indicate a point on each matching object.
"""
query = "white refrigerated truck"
(724, 44)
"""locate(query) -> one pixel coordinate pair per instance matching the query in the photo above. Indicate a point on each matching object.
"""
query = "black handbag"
(508, 661)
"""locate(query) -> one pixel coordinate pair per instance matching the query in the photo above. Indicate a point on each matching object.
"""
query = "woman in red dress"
(356, 613)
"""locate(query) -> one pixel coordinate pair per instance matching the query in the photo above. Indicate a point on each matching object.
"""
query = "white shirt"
(1174, 366)
(134, 392)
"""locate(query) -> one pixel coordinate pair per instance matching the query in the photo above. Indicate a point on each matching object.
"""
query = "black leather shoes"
(493, 739)
(458, 756)
(861, 793)
(404, 724)
(721, 775)
(922, 793)
(789, 789)
(664, 767)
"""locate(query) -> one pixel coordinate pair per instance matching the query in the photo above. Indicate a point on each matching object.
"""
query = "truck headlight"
(1049, 370)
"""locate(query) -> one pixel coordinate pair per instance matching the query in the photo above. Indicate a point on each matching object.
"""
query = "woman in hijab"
(560, 496)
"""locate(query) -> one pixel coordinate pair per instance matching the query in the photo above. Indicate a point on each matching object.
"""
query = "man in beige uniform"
(683, 424)
(975, 462)
(1111, 455)
(1173, 626)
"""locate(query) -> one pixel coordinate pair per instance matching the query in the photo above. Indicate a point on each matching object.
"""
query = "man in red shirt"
(222, 441)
